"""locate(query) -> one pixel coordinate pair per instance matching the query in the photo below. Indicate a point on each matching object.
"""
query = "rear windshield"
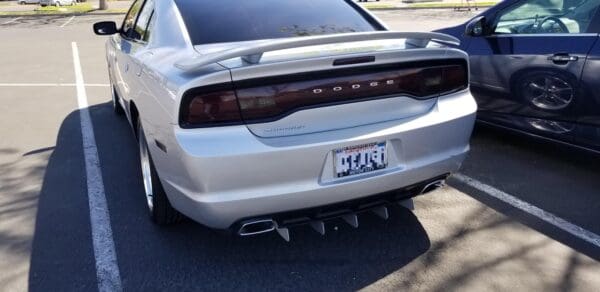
(218, 21)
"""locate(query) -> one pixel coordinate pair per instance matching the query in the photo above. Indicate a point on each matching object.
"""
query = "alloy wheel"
(146, 169)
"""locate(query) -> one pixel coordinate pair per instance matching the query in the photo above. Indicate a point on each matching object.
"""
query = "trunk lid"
(330, 87)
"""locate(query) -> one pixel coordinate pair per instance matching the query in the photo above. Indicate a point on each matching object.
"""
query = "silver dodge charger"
(255, 116)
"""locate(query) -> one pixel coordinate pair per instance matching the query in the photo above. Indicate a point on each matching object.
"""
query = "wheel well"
(134, 115)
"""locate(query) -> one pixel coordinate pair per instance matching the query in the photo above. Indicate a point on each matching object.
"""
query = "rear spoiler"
(253, 53)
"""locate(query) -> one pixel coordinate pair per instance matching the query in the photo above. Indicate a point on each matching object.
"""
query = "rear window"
(218, 21)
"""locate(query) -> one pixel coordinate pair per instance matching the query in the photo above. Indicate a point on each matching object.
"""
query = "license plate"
(359, 159)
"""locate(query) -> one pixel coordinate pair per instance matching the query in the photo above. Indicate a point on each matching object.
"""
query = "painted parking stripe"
(51, 85)
(12, 20)
(68, 21)
(107, 269)
(548, 217)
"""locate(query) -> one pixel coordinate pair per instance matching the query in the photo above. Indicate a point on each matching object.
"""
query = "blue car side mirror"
(476, 27)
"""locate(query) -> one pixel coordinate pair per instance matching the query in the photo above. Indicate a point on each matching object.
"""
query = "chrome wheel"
(549, 92)
(146, 169)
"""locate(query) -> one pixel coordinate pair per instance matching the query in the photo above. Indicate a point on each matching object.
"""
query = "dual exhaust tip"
(432, 186)
(255, 227)
(260, 226)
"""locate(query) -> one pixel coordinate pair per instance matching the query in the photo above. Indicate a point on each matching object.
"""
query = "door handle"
(563, 58)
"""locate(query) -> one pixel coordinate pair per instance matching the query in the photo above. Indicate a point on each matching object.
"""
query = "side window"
(149, 28)
(595, 25)
(547, 16)
(143, 20)
(129, 22)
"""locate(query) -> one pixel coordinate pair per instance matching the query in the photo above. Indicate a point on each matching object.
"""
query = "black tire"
(117, 108)
(161, 211)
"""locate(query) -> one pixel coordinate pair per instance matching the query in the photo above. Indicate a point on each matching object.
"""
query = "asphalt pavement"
(457, 238)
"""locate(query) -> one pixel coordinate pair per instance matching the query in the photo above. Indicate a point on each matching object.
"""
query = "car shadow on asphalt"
(188, 256)
(558, 179)
(62, 256)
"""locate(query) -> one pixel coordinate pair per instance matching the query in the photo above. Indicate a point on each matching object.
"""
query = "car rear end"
(305, 134)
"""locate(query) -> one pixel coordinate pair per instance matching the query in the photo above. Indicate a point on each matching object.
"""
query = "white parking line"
(51, 85)
(68, 21)
(532, 210)
(12, 20)
(107, 269)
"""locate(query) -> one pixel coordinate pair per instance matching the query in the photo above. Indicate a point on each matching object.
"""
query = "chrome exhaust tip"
(432, 186)
(254, 227)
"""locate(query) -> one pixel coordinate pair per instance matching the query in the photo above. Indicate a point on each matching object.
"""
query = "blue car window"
(544, 16)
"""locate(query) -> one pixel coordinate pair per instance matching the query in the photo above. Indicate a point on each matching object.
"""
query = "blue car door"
(588, 133)
(525, 72)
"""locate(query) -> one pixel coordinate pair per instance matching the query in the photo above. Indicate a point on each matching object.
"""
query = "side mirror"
(105, 28)
(476, 27)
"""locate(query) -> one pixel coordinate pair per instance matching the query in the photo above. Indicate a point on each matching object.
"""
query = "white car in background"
(57, 2)
(256, 116)
(23, 2)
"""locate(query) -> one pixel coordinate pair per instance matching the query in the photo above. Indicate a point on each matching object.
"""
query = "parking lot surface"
(521, 215)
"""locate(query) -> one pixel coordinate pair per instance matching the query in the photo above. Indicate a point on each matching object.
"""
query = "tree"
(103, 5)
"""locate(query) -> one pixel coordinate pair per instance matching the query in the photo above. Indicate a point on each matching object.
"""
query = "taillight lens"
(268, 99)
(264, 103)
(204, 108)
(454, 78)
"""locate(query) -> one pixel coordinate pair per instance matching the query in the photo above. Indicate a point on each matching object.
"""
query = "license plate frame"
(359, 159)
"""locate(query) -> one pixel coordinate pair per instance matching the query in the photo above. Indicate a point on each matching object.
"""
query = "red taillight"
(454, 78)
(271, 98)
(264, 103)
(202, 108)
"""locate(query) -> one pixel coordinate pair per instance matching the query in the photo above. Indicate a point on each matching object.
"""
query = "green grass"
(75, 9)
(378, 6)
(452, 5)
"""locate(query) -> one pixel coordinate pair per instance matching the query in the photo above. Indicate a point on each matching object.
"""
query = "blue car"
(535, 68)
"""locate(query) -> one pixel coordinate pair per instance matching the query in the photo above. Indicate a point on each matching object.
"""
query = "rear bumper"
(220, 176)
